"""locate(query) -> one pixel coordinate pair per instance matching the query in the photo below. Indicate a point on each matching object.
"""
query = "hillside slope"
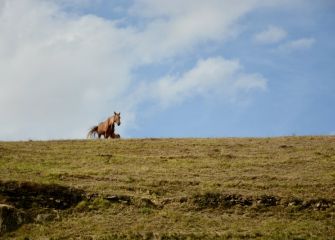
(262, 188)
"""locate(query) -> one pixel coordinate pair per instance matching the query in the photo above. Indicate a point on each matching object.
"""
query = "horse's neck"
(110, 120)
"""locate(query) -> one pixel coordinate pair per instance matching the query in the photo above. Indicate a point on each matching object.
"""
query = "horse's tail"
(92, 132)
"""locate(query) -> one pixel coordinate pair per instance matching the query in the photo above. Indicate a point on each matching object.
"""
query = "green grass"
(171, 174)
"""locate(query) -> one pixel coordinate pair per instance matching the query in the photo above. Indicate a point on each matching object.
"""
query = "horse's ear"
(114, 113)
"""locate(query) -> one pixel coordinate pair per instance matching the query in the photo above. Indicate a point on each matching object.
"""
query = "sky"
(177, 68)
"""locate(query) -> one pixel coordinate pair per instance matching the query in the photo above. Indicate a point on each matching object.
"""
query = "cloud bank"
(61, 72)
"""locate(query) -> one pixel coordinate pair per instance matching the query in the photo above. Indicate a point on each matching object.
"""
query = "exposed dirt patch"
(10, 218)
(218, 200)
(284, 146)
(119, 199)
(215, 200)
(26, 195)
(24, 202)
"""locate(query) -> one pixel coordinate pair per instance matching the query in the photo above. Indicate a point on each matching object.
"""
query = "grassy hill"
(268, 188)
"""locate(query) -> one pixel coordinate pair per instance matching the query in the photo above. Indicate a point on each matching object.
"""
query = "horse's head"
(117, 118)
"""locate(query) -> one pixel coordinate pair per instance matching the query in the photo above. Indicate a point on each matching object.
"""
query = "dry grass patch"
(263, 188)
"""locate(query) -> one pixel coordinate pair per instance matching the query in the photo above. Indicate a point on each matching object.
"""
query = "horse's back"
(102, 127)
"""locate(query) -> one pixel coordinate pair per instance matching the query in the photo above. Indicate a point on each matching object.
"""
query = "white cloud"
(299, 44)
(210, 77)
(176, 27)
(272, 34)
(61, 72)
(57, 72)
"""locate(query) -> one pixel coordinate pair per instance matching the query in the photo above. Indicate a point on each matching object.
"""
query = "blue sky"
(172, 68)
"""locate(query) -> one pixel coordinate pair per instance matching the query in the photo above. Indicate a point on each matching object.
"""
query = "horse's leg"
(105, 133)
(112, 131)
(109, 132)
(99, 135)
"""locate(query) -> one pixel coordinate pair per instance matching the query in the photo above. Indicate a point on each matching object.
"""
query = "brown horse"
(107, 127)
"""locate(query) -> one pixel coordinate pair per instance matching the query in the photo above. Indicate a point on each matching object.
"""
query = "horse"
(107, 127)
